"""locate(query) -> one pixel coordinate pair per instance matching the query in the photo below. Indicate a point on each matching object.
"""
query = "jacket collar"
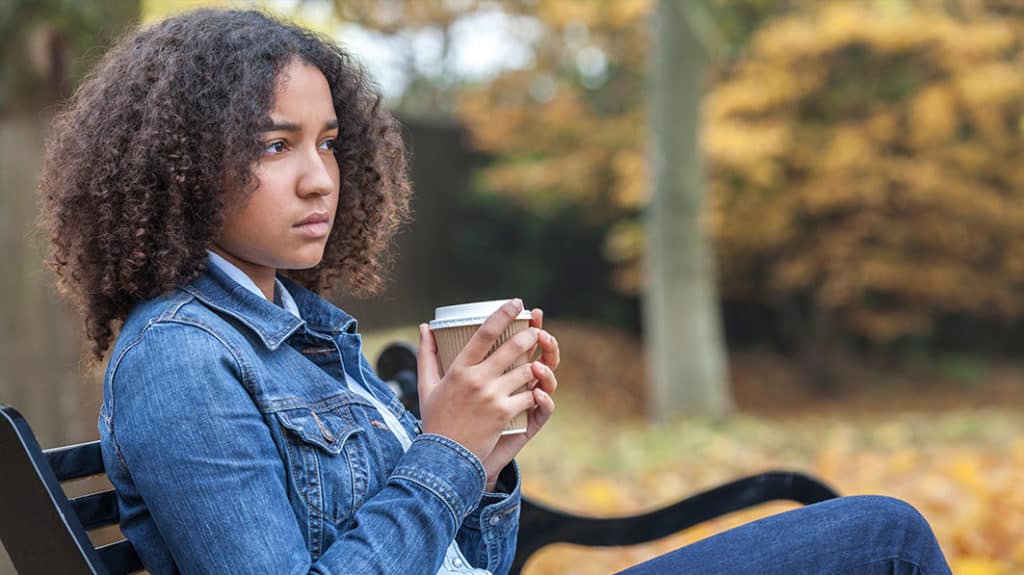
(271, 323)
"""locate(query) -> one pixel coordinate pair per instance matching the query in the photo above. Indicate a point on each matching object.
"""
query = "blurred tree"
(428, 92)
(862, 154)
(683, 329)
(155, 10)
(571, 128)
(45, 47)
(570, 131)
(48, 44)
(567, 131)
(865, 167)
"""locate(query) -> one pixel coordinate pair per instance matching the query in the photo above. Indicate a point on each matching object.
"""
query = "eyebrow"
(293, 127)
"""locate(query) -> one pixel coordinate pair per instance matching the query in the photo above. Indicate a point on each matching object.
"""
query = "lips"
(314, 218)
(315, 225)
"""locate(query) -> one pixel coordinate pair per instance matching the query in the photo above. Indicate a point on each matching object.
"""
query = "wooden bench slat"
(97, 509)
(75, 461)
(120, 557)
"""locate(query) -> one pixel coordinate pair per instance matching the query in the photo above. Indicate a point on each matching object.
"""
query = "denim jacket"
(235, 446)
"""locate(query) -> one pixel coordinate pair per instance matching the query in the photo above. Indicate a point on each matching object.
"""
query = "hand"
(508, 446)
(475, 399)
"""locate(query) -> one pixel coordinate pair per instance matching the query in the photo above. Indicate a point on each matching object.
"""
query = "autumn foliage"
(864, 157)
(870, 161)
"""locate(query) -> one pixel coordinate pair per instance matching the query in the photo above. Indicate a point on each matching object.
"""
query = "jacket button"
(495, 519)
(457, 562)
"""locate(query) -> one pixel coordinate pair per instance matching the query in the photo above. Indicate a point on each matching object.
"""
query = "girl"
(213, 175)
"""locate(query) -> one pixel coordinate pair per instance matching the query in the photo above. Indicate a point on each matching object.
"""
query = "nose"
(319, 174)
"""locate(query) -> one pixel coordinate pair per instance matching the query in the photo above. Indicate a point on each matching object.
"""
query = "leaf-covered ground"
(945, 435)
(962, 470)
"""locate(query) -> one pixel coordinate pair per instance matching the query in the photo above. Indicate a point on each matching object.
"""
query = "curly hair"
(150, 150)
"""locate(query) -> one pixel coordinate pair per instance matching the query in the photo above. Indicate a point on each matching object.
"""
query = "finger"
(545, 377)
(537, 318)
(541, 415)
(550, 354)
(488, 333)
(545, 404)
(515, 348)
(515, 379)
(520, 402)
(537, 321)
(427, 366)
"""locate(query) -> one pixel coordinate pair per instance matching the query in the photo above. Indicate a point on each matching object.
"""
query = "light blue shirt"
(281, 295)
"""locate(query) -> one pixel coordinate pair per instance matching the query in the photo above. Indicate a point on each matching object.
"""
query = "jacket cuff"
(499, 510)
(448, 470)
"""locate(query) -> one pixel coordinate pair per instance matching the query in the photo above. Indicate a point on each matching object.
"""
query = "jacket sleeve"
(488, 535)
(201, 456)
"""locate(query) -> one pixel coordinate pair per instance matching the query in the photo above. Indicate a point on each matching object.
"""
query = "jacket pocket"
(327, 429)
(327, 459)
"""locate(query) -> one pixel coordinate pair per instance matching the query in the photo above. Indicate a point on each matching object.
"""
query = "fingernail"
(519, 304)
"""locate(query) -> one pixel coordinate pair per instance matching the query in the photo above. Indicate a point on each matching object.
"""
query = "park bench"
(44, 532)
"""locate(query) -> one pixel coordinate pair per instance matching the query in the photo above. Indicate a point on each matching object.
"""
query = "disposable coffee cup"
(454, 325)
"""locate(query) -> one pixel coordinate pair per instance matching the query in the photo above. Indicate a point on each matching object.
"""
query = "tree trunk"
(682, 318)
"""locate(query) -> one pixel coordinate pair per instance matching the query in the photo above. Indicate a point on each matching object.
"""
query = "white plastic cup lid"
(470, 313)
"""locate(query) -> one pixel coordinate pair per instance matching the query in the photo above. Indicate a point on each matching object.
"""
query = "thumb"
(427, 367)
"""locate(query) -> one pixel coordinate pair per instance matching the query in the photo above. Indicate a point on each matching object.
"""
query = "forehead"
(302, 91)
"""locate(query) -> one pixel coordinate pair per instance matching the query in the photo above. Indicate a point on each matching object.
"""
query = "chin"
(305, 263)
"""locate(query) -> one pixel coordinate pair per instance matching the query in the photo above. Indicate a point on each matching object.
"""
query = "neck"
(262, 276)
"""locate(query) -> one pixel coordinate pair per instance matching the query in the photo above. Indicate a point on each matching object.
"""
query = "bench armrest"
(540, 525)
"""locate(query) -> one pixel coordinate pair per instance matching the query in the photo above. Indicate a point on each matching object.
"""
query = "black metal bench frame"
(44, 532)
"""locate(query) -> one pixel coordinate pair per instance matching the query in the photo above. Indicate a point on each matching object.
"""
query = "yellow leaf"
(978, 566)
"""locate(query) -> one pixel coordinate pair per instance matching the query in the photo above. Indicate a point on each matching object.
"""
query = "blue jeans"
(862, 535)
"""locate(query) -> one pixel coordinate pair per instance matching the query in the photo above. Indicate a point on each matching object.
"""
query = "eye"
(328, 144)
(274, 148)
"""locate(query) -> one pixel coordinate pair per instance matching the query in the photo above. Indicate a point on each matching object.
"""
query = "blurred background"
(767, 233)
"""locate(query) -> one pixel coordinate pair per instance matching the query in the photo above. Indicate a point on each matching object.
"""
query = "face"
(285, 222)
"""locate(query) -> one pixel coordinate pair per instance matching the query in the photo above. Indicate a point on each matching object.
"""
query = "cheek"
(335, 171)
(234, 219)
(237, 231)
(335, 174)
(256, 217)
